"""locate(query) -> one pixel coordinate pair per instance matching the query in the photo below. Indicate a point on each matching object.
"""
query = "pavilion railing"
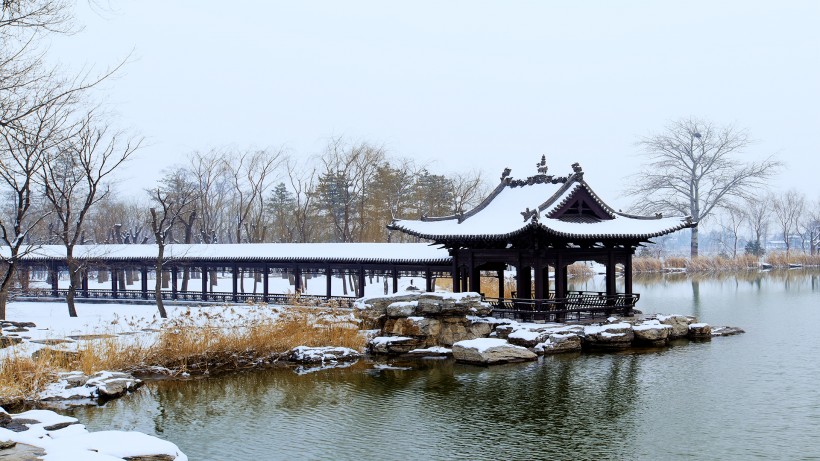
(577, 305)
(221, 297)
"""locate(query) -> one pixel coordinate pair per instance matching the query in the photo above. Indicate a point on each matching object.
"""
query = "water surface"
(751, 396)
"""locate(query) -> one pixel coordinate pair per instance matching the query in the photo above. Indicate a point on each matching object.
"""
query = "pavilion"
(540, 222)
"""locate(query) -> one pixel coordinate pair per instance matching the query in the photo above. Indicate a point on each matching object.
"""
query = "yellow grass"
(183, 345)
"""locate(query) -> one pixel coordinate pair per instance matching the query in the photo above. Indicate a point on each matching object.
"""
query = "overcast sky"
(464, 85)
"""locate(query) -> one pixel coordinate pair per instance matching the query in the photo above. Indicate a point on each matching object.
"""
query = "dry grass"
(646, 264)
(721, 263)
(780, 260)
(185, 344)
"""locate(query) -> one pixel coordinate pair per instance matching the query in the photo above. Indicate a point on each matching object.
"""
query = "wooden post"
(628, 272)
(235, 286)
(174, 276)
(395, 275)
(265, 284)
(329, 282)
(428, 280)
(55, 281)
(297, 279)
(539, 280)
(144, 281)
(361, 282)
(475, 280)
(525, 282)
(500, 274)
(114, 283)
(204, 282)
(84, 283)
(456, 274)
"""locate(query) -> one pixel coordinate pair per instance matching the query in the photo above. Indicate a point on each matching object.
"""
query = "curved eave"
(566, 235)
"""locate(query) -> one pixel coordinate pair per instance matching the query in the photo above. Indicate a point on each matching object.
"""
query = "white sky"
(465, 84)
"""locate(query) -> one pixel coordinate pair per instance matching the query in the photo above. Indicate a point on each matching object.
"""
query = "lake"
(755, 395)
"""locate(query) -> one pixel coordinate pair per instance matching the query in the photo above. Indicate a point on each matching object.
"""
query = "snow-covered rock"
(560, 342)
(652, 332)
(312, 355)
(393, 344)
(104, 385)
(679, 323)
(611, 336)
(490, 351)
(61, 438)
(700, 331)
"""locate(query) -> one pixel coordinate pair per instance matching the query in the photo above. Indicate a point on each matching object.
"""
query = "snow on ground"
(73, 442)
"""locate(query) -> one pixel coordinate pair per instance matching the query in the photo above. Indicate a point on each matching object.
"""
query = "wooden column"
(174, 276)
(144, 281)
(539, 280)
(329, 282)
(235, 286)
(360, 292)
(475, 280)
(610, 272)
(628, 272)
(114, 273)
(500, 274)
(55, 281)
(204, 282)
(456, 274)
(84, 283)
(395, 275)
(297, 279)
(560, 277)
(428, 280)
(265, 283)
(465, 279)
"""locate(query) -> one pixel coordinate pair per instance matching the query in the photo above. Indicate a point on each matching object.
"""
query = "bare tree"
(171, 203)
(808, 226)
(73, 177)
(758, 211)
(24, 143)
(692, 170)
(468, 189)
(212, 186)
(302, 179)
(251, 175)
(787, 208)
(732, 220)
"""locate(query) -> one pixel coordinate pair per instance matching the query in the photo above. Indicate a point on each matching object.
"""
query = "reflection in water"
(725, 397)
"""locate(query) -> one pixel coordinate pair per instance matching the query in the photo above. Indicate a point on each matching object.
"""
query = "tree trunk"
(694, 243)
(157, 287)
(73, 274)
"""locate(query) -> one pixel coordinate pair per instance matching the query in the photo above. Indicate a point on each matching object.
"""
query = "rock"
(436, 351)
(58, 426)
(726, 331)
(311, 355)
(56, 355)
(700, 331)
(612, 336)
(150, 458)
(652, 332)
(393, 344)
(113, 384)
(6, 444)
(9, 323)
(402, 309)
(51, 342)
(6, 341)
(5, 418)
(73, 378)
(478, 329)
(560, 342)
(679, 323)
(412, 326)
(527, 338)
(490, 351)
(503, 331)
(20, 424)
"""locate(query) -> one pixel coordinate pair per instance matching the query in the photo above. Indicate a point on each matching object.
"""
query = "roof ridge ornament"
(530, 214)
(542, 165)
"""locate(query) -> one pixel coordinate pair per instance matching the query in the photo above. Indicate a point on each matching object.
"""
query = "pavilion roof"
(519, 205)
(387, 253)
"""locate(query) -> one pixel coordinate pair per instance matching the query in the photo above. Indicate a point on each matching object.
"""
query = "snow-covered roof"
(406, 253)
(516, 206)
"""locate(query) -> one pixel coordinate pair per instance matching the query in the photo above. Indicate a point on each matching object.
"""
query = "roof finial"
(542, 165)
(505, 173)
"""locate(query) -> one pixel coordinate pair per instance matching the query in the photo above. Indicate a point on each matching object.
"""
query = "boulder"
(557, 343)
(652, 332)
(73, 378)
(612, 336)
(503, 331)
(6, 341)
(490, 351)
(679, 323)
(112, 384)
(525, 337)
(5, 418)
(726, 331)
(393, 344)
(402, 309)
(311, 355)
(700, 331)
